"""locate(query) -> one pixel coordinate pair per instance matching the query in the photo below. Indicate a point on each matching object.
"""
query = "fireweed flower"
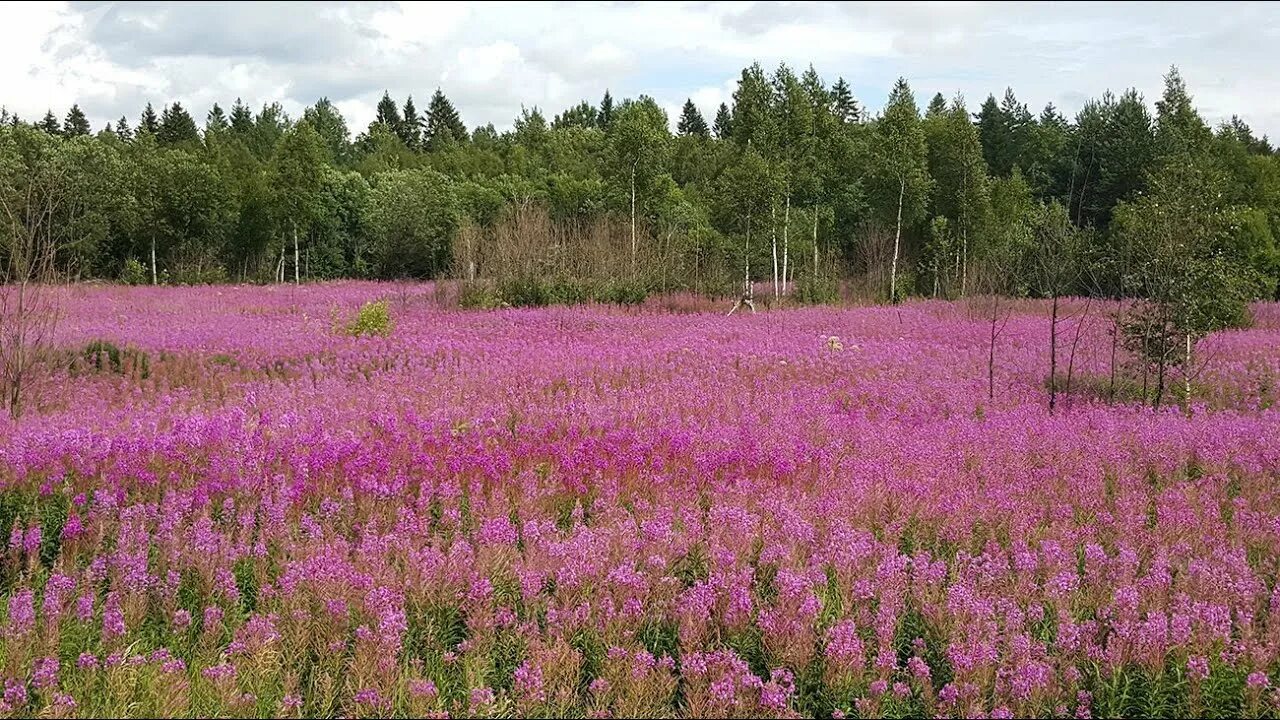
(45, 673)
(22, 613)
(628, 478)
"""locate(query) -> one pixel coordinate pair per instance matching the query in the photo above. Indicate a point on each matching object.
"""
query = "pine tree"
(241, 120)
(177, 126)
(388, 114)
(50, 124)
(723, 127)
(76, 124)
(148, 123)
(216, 121)
(444, 125)
(843, 106)
(122, 129)
(604, 119)
(410, 130)
(691, 121)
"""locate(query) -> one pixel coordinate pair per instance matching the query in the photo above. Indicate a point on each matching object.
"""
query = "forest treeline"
(794, 183)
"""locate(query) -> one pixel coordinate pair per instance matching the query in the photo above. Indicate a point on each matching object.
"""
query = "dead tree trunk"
(1053, 355)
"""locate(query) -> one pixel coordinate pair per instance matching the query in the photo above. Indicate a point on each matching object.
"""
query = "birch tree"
(901, 171)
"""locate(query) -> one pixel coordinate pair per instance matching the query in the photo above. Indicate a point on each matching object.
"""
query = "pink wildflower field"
(609, 512)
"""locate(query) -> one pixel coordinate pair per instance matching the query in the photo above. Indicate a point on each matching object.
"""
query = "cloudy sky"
(489, 58)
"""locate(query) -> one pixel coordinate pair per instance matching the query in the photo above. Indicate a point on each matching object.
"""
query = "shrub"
(479, 296)
(622, 292)
(567, 292)
(106, 356)
(816, 292)
(133, 273)
(373, 318)
(524, 292)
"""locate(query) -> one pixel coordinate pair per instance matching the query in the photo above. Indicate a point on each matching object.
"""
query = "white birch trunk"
(897, 240)
(773, 234)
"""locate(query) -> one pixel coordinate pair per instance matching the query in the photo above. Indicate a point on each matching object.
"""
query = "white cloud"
(491, 58)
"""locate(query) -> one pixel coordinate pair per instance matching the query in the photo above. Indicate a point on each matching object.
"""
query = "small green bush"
(373, 318)
(133, 273)
(821, 291)
(106, 356)
(479, 296)
(567, 292)
(525, 292)
(622, 292)
(207, 275)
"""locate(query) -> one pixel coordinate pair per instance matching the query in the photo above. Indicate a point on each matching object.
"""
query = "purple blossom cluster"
(630, 513)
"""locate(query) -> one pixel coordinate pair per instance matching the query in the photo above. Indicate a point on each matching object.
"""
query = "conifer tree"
(177, 126)
(148, 123)
(604, 118)
(691, 121)
(122, 129)
(444, 125)
(216, 121)
(388, 114)
(50, 124)
(410, 130)
(843, 106)
(241, 120)
(723, 127)
(76, 124)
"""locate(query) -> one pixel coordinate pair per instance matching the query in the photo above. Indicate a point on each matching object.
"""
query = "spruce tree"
(76, 124)
(388, 114)
(216, 121)
(843, 106)
(177, 126)
(122, 129)
(993, 131)
(148, 123)
(444, 125)
(691, 121)
(241, 120)
(723, 127)
(937, 106)
(50, 124)
(604, 119)
(410, 130)
(1020, 123)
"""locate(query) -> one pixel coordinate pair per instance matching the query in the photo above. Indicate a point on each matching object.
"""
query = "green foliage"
(412, 218)
(373, 318)
(389, 203)
(105, 356)
(817, 291)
